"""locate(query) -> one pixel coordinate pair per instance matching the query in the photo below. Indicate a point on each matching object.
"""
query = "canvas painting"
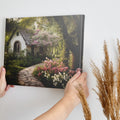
(43, 51)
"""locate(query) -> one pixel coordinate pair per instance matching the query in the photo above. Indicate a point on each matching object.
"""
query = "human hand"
(71, 99)
(71, 93)
(3, 85)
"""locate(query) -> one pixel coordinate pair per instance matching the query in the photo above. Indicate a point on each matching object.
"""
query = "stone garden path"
(26, 78)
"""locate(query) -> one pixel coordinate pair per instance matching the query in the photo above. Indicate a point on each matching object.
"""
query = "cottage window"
(17, 47)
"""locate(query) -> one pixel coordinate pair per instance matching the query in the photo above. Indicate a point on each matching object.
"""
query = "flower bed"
(53, 73)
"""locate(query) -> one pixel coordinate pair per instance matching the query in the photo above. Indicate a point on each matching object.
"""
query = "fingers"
(7, 88)
(75, 76)
(2, 81)
(3, 85)
(80, 81)
(0, 71)
(82, 77)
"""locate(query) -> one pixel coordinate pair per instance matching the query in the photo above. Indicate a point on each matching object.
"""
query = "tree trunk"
(76, 59)
(68, 43)
(66, 56)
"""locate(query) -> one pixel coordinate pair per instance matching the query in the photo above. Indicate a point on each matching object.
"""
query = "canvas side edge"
(2, 40)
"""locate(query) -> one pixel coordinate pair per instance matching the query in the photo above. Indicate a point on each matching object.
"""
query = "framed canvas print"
(43, 51)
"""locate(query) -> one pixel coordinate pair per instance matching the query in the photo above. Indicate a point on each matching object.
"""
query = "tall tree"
(70, 38)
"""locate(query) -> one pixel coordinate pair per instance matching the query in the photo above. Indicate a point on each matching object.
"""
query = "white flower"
(60, 81)
(63, 85)
(55, 83)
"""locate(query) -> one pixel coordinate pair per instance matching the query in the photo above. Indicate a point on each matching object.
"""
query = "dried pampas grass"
(86, 110)
(108, 84)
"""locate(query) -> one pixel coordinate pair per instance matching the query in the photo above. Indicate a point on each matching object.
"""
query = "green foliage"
(27, 22)
(12, 67)
(11, 25)
(14, 63)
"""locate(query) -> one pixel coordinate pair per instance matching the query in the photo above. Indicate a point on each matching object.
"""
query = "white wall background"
(102, 22)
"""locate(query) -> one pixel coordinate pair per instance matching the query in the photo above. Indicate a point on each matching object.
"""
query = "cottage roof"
(26, 34)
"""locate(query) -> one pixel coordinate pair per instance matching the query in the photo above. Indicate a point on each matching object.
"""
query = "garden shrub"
(53, 73)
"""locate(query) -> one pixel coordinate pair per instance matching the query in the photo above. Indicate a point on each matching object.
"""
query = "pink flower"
(49, 66)
(45, 61)
(35, 33)
(38, 68)
(37, 30)
(61, 69)
(39, 74)
(50, 61)
(55, 69)
(65, 68)
(61, 64)
(54, 63)
(71, 72)
(35, 42)
(45, 68)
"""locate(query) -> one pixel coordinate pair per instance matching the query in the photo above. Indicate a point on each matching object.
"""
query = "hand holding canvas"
(3, 85)
(71, 92)
(64, 107)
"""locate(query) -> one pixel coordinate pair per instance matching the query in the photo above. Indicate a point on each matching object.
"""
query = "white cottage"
(20, 41)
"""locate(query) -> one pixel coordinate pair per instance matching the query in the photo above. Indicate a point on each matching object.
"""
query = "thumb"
(3, 72)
